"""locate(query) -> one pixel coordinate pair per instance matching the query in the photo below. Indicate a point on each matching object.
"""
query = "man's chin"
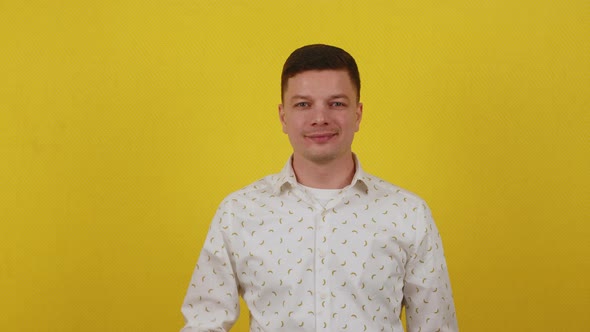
(321, 158)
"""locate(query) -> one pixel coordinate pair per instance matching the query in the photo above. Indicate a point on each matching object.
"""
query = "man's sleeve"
(427, 290)
(212, 299)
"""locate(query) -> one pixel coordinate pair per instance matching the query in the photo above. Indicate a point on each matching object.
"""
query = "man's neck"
(336, 174)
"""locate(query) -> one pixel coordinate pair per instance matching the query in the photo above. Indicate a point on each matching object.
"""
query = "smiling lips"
(321, 137)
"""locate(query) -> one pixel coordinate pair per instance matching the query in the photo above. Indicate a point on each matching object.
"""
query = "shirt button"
(323, 296)
(322, 253)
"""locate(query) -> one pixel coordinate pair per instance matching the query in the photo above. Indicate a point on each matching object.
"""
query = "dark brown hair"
(320, 57)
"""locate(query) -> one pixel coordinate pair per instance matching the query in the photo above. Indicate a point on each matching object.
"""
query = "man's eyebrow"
(338, 96)
(299, 97)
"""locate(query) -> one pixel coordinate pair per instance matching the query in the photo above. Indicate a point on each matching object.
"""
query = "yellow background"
(124, 123)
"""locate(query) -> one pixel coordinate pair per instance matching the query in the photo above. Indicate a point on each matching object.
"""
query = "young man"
(322, 245)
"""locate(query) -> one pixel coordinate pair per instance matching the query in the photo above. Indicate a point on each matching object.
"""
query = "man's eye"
(302, 104)
(337, 104)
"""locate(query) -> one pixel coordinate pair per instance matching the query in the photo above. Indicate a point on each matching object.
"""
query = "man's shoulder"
(388, 189)
(258, 189)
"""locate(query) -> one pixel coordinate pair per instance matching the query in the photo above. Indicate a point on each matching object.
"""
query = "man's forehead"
(320, 72)
(320, 80)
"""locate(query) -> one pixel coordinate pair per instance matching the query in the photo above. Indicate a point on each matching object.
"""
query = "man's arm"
(427, 290)
(212, 299)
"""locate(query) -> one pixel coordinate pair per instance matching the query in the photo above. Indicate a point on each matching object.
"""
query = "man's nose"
(320, 115)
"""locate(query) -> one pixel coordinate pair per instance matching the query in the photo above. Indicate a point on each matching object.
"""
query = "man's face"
(320, 114)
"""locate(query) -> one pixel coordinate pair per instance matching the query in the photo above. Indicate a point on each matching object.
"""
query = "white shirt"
(323, 196)
(299, 266)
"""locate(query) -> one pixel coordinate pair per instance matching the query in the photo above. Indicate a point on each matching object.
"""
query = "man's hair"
(320, 57)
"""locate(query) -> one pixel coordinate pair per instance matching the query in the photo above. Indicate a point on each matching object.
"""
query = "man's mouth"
(321, 137)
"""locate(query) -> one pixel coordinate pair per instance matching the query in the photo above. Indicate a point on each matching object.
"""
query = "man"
(322, 245)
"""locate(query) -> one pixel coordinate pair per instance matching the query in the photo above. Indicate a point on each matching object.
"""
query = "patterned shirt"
(300, 266)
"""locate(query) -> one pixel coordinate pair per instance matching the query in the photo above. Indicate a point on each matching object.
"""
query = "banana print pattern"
(299, 266)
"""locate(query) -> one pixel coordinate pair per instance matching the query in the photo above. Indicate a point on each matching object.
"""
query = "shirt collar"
(286, 178)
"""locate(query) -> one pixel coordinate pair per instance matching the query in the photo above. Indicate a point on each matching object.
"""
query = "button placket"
(322, 271)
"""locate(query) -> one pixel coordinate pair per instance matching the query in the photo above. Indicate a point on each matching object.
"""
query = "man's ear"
(282, 118)
(359, 115)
